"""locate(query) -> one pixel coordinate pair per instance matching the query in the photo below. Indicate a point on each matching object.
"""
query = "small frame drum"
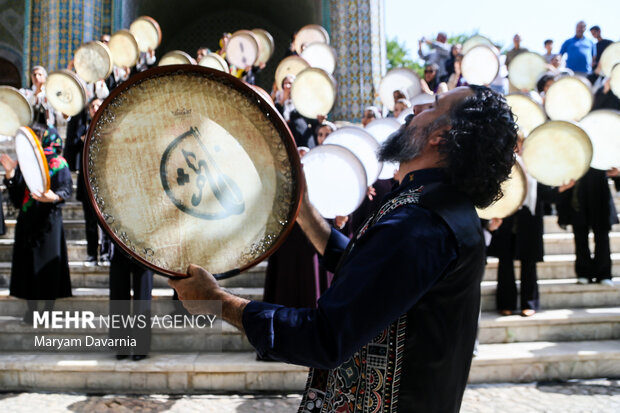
(243, 49)
(214, 61)
(603, 128)
(15, 111)
(525, 70)
(363, 145)
(514, 189)
(32, 161)
(93, 62)
(615, 80)
(313, 92)
(124, 48)
(336, 180)
(291, 65)
(480, 65)
(528, 114)
(400, 78)
(311, 33)
(176, 57)
(320, 55)
(381, 129)
(569, 98)
(477, 40)
(66, 92)
(556, 152)
(186, 164)
(266, 45)
(147, 32)
(610, 58)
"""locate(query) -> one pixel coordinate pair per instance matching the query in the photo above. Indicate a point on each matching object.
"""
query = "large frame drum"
(187, 164)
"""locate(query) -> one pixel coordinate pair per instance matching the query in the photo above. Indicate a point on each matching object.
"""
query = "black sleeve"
(62, 184)
(16, 187)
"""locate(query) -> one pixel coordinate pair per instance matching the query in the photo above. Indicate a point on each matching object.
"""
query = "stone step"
(97, 300)
(74, 230)
(240, 372)
(545, 361)
(558, 266)
(17, 336)
(160, 372)
(562, 294)
(83, 276)
(564, 243)
(554, 293)
(76, 250)
(549, 325)
(71, 210)
(575, 324)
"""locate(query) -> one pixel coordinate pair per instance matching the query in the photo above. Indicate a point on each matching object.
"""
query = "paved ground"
(592, 396)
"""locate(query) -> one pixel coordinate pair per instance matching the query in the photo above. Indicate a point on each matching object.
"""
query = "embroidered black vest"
(389, 374)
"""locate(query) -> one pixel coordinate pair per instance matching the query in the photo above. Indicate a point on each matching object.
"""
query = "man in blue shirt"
(579, 51)
(396, 330)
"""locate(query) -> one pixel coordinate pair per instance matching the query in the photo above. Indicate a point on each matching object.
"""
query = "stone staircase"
(576, 335)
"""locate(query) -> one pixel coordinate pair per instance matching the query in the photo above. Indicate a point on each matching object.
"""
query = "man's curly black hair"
(479, 147)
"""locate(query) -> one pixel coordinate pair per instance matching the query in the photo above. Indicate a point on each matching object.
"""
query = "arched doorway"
(9, 74)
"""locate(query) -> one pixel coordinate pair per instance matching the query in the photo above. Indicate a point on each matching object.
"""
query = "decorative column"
(358, 36)
(57, 28)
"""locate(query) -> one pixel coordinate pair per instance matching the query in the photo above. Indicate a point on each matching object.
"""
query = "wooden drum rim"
(270, 113)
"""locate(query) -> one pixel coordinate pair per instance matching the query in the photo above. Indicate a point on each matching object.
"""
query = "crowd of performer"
(40, 268)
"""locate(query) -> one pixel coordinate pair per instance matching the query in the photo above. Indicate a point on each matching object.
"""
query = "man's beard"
(401, 146)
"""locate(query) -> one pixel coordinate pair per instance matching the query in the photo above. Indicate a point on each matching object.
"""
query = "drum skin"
(15, 111)
(603, 128)
(569, 98)
(308, 34)
(381, 129)
(93, 62)
(266, 45)
(400, 78)
(477, 40)
(291, 65)
(528, 114)
(313, 92)
(66, 92)
(525, 69)
(243, 49)
(610, 58)
(32, 161)
(186, 164)
(615, 80)
(214, 61)
(480, 65)
(556, 152)
(147, 32)
(363, 146)
(176, 57)
(124, 48)
(514, 190)
(336, 180)
(320, 55)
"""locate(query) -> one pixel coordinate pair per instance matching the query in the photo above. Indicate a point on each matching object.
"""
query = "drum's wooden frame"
(40, 155)
(266, 107)
(155, 25)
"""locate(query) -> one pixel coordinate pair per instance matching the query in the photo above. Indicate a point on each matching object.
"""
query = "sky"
(499, 20)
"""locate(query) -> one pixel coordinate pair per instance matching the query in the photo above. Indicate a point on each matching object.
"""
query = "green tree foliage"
(398, 55)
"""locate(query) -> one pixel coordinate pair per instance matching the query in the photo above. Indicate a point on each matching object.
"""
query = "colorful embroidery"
(369, 381)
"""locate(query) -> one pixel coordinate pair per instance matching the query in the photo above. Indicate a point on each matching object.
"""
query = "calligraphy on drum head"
(195, 182)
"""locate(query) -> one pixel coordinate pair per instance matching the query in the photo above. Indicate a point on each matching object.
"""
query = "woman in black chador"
(40, 268)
